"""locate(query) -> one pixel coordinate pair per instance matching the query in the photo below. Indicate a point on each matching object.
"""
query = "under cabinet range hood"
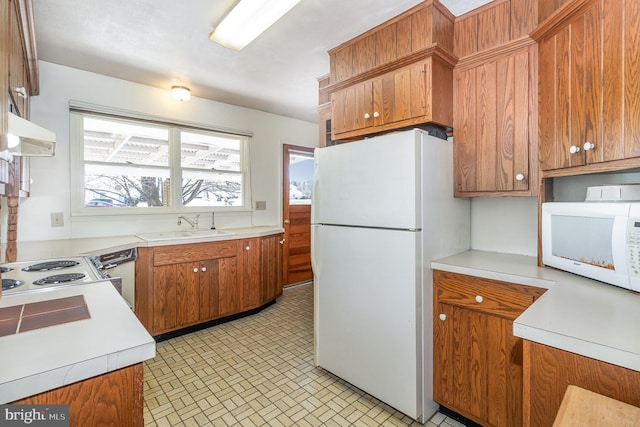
(25, 138)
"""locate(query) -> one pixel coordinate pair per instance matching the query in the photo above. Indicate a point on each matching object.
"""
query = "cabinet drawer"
(194, 252)
(489, 296)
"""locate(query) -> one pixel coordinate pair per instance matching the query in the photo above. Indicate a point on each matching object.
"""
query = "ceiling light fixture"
(247, 20)
(181, 93)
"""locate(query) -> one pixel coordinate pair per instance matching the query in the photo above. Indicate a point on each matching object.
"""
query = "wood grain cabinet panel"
(549, 371)
(271, 267)
(493, 121)
(251, 288)
(477, 362)
(178, 286)
(417, 93)
(398, 74)
(588, 115)
(114, 399)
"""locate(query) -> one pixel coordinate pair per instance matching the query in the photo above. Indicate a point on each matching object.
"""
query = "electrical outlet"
(261, 206)
(57, 219)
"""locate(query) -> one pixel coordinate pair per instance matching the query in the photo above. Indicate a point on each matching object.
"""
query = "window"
(140, 165)
(300, 177)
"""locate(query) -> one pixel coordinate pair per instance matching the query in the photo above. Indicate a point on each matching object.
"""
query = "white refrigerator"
(382, 209)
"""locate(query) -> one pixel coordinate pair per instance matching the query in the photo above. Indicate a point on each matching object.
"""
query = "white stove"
(39, 275)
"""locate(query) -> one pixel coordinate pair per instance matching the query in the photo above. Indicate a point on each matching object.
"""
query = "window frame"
(76, 139)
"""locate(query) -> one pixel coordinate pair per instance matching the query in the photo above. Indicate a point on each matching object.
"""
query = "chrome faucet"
(213, 221)
(193, 223)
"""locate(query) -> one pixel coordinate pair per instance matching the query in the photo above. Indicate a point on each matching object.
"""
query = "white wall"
(505, 224)
(51, 176)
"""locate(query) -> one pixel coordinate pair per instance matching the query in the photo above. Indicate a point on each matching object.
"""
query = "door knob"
(286, 221)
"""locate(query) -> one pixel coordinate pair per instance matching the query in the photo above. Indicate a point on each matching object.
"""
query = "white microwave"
(596, 240)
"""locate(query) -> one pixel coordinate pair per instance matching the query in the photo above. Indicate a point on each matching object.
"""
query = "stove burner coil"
(59, 278)
(10, 284)
(51, 265)
(5, 269)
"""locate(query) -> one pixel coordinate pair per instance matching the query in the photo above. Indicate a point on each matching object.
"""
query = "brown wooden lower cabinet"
(183, 285)
(113, 399)
(549, 371)
(477, 362)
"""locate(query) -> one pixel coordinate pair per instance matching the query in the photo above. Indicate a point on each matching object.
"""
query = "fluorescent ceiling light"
(247, 20)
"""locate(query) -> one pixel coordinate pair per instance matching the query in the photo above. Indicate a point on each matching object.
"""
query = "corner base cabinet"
(477, 361)
(182, 285)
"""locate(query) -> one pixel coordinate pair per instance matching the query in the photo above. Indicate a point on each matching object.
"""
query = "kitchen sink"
(186, 234)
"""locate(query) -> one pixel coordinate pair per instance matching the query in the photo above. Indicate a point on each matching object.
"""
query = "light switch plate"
(57, 219)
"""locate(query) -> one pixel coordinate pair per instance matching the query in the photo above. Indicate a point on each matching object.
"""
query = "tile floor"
(258, 371)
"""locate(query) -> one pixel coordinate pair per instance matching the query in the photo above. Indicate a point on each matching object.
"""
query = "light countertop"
(46, 249)
(44, 359)
(576, 314)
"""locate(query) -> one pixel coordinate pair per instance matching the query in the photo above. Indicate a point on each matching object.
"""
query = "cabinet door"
(494, 102)
(17, 66)
(251, 288)
(570, 93)
(228, 285)
(271, 267)
(351, 108)
(176, 296)
(477, 366)
(400, 95)
(209, 284)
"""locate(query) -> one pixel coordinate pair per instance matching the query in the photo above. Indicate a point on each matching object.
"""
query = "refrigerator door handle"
(314, 245)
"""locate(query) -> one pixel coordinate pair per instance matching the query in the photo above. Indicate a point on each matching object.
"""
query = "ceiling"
(165, 42)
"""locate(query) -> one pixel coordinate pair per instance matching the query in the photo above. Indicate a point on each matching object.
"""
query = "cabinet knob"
(376, 114)
(588, 146)
(479, 299)
(246, 248)
(520, 177)
(286, 221)
(367, 115)
(574, 149)
(282, 242)
(443, 316)
(195, 270)
(22, 92)
(203, 269)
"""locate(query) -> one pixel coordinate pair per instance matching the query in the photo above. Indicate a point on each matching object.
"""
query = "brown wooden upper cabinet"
(495, 101)
(494, 124)
(421, 27)
(418, 93)
(398, 74)
(589, 92)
